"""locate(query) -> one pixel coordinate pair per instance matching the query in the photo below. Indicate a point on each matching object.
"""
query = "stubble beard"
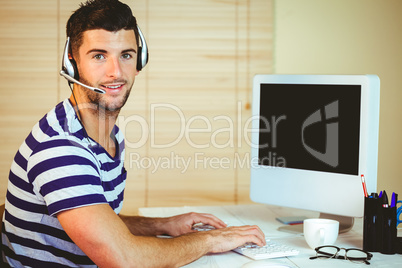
(100, 105)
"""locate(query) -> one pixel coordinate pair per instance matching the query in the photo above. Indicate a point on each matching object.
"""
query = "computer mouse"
(266, 263)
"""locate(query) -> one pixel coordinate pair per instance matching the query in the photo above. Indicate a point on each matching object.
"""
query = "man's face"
(108, 60)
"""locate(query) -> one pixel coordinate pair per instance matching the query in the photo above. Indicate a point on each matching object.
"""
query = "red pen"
(364, 186)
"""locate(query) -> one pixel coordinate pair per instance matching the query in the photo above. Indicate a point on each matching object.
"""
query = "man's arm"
(105, 238)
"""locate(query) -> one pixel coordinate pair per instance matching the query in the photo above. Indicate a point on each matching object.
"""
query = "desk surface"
(265, 217)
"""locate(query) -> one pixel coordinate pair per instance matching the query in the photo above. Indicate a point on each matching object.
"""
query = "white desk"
(264, 216)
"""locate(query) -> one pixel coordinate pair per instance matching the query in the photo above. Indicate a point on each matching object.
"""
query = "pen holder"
(379, 227)
(372, 225)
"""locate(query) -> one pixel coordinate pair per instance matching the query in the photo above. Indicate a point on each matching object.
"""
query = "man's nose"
(114, 68)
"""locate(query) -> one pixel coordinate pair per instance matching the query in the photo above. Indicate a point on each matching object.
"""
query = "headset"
(70, 72)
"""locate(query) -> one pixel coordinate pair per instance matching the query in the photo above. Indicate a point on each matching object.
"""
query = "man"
(67, 180)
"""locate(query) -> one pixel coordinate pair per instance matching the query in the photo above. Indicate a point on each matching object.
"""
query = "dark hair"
(110, 15)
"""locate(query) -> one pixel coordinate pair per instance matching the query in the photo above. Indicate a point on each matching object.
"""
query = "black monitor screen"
(310, 127)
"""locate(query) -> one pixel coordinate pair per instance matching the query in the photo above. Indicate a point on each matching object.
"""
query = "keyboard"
(271, 250)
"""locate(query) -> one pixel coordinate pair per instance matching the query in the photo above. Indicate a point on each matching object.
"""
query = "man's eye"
(98, 57)
(126, 56)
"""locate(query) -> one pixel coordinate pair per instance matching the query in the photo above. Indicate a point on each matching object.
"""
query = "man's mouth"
(113, 87)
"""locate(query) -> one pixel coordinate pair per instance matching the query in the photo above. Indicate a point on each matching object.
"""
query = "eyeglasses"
(351, 254)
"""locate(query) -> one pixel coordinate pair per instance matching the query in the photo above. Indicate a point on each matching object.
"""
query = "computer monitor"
(313, 137)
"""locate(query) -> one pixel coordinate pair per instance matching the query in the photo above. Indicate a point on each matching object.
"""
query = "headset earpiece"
(68, 65)
(143, 55)
(139, 57)
(75, 69)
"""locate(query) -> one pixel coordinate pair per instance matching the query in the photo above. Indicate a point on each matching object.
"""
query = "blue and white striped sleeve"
(66, 175)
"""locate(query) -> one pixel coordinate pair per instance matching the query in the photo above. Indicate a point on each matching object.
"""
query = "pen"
(394, 199)
(384, 199)
(364, 186)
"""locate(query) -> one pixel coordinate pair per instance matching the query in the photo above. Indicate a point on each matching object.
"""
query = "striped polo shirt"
(58, 167)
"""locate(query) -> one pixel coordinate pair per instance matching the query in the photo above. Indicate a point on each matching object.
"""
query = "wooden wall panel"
(197, 39)
(203, 55)
(28, 72)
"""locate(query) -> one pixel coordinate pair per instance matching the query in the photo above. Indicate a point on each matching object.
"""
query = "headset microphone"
(72, 80)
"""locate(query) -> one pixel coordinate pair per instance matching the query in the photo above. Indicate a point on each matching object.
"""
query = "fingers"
(182, 224)
(232, 237)
(251, 234)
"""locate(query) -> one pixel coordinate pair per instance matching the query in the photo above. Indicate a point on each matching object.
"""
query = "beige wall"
(349, 37)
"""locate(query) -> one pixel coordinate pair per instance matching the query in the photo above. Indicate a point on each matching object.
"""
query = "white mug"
(319, 232)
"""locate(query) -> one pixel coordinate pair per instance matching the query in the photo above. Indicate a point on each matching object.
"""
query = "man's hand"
(173, 226)
(226, 239)
(221, 239)
(183, 224)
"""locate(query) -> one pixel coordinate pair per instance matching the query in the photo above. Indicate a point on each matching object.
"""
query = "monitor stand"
(345, 224)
